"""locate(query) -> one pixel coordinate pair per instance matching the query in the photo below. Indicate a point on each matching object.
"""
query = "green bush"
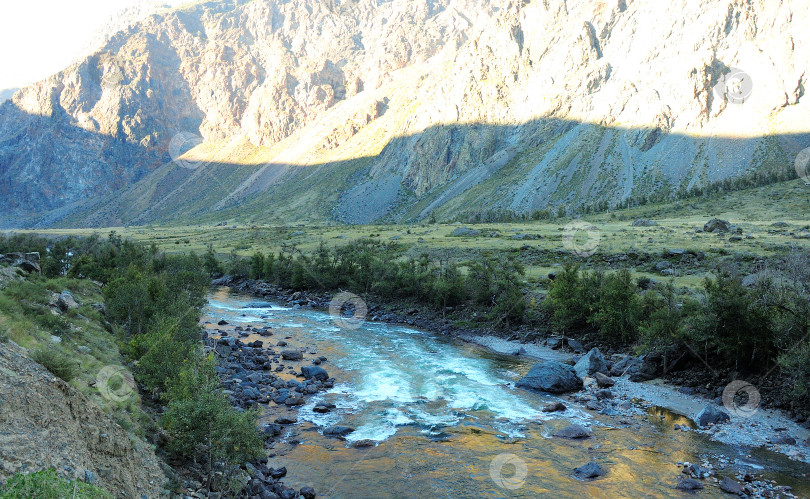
(733, 323)
(618, 308)
(568, 309)
(202, 424)
(56, 362)
(48, 485)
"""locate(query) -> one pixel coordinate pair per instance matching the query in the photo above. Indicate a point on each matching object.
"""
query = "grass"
(48, 485)
(754, 210)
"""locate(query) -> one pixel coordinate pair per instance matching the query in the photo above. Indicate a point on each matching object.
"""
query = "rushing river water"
(451, 424)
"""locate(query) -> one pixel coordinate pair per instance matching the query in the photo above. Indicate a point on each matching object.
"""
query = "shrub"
(56, 362)
(733, 323)
(48, 485)
(564, 301)
(618, 308)
(202, 424)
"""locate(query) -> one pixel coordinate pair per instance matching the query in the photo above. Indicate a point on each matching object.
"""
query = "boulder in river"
(314, 372)
(551, 377)
(554, 407)
(711, 415)
(591, 363)
(589, 471)
(574, 432)
(338, 431)
(689, 485)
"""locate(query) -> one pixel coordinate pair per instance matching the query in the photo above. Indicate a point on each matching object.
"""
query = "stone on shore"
(551, 377)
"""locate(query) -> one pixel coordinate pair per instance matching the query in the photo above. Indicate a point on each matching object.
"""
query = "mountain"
(359, 111)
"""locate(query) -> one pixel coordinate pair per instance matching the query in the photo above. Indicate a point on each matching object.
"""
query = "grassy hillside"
(540, 244)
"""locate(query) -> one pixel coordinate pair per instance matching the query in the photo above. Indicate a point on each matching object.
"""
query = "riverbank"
(764, 427)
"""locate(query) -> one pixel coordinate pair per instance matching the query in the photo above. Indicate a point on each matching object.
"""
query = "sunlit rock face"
(500, 105)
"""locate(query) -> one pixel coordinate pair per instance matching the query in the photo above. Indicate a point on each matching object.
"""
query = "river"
(450, 423)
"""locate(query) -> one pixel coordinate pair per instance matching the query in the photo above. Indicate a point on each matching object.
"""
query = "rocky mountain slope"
(359, 111)
(46, 423)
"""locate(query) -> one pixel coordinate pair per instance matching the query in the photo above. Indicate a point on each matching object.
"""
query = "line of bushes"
(495, 283)
(748, 328)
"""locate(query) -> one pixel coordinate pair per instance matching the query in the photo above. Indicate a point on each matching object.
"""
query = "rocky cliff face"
(405, 108)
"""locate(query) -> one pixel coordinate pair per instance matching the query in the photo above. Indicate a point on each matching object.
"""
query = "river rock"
(314, 372)
(554, 407)
(604, 381)
(307, 492)
(711, 415)
(589, 471)
(291, 355)
(590, 363)
(689, 485)
(551, 377)
(574, 432)
(337, 431)
(731, 486)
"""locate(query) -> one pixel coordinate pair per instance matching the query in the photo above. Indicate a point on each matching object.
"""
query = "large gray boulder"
(711, 415)
(591, 363)
(315, 372)
(551, 377)
(716, 225)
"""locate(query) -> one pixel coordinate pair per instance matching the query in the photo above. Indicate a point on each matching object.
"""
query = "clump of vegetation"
(383, 269)
(56, 362)
(47, 484)
(745, 328)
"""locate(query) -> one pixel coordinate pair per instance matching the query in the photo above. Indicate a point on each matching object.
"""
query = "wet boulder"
(338, 431)
(314, 372)
(574, 432)
(689, 485)
(711, 415)
(589, 471)
(551, 377)
(554, 407)
(591, 363)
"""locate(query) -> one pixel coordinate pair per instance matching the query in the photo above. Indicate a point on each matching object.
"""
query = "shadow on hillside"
(45, 179)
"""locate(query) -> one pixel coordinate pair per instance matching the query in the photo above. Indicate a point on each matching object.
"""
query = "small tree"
(202, 424)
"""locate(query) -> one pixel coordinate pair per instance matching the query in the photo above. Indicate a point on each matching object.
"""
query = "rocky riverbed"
(265, 361)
